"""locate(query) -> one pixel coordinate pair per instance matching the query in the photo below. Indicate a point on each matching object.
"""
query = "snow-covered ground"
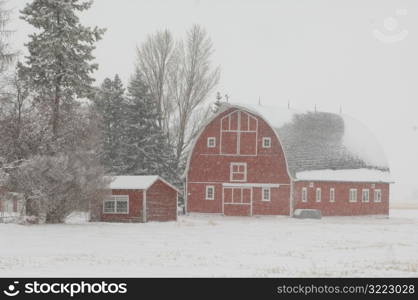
(216, 246)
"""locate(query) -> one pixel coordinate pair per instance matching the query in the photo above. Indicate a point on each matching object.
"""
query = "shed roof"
(139, 182)
(315, 141)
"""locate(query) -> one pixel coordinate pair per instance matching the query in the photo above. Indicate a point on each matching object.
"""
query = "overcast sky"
(360, 55)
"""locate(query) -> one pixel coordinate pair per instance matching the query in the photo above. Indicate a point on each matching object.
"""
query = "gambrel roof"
(316, 144)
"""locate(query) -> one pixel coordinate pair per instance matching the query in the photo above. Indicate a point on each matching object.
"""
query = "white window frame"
(377, 192)
(211, 139)
(208, 188)
(231, 172)
(263, 198)
(115, 199)
(363, 192)
(332, 192)
(304, 195)
(318, 199)
(350, 199)
(268, 140)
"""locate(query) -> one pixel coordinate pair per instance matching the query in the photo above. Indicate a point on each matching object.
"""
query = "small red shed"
(138, 199)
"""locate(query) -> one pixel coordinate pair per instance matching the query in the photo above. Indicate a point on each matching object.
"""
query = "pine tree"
(146, 149)
(60, 53)
(110, 103)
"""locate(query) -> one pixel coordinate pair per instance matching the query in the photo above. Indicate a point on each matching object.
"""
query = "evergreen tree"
(60, 53)
(110, 104)
(146, 148)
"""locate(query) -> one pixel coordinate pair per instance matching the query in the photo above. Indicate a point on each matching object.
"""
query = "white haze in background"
(357, 55)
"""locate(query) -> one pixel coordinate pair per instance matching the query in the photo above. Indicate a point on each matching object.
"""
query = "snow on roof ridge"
(136, 182)
(270, 112)
(132, 181)
(359, 140)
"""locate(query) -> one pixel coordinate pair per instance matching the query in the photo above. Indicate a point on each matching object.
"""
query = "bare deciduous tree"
(181, 79)
(192, 80)
(154, 59)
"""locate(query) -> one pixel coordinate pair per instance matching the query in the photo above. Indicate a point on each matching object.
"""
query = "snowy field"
(216, 246)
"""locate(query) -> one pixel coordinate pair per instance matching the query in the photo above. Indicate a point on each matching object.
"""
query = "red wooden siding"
(161, 202)
(135, 207)
(342, 206)
(278, 205)
(197, 202)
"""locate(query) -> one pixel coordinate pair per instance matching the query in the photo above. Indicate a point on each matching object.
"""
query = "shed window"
(238, 172)
(266, 194)
(353, 195)
(304, 194)
(377, 196)
(331, 195)
(116, 204)
(210, 192)
(365, 195)
(266, 142)
(318, 195)
(211, 142)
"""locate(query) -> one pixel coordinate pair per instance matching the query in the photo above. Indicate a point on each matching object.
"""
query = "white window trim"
(380, 194)
(332, 192)
(115, 199)
(210, 187)
(262, 194)
(368, 195)
(318, 199)
(304, 192)
(208, 143)
(349, 196)
(231, 173)
(265, 139)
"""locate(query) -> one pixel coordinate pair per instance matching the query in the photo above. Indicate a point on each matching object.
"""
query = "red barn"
(138, 199)
(259, 160)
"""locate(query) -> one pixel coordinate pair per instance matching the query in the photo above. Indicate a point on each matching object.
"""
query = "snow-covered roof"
(349, 175)
(140, 182)
(321, 140)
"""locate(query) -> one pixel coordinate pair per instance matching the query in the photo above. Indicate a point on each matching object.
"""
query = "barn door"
(237, 201)
(239, 134)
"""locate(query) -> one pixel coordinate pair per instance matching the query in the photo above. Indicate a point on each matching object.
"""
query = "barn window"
(266, 142)
(365, 195)
(211, 142)
(266, 194)
(353, 195)
(331, 195)
(377, 196)
(109, 206)
(210, 192)
(318, 195)
(116, 204)
(304, 194)
(238, 172)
